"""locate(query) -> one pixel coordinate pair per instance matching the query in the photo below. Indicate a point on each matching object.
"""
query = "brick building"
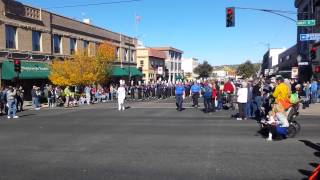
(36, 36)
(152, 64)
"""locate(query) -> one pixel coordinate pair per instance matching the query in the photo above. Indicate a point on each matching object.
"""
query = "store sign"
(34, 68)
(294, 72)
(160, 70)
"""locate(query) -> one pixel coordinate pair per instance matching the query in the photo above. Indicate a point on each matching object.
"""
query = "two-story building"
(37, 36)
(152, 64)
(172, 63)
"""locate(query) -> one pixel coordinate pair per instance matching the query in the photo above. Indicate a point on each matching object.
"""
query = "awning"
(118, 71)
(134, 71)
(29, 70)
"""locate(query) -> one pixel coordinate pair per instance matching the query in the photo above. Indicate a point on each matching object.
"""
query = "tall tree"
(246, 70)
(82, 69)
(204, 70)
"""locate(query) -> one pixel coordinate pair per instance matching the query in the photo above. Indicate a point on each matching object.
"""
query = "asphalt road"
(149, 141)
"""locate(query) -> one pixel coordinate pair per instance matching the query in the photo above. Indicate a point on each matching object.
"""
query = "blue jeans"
(207, 105)
(314, 96)
(219, 105)
(179, 101)
(35, 102)
(249, 109)
(12, 109)
(257, 103)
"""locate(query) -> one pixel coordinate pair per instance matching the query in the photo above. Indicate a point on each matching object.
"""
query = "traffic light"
(313, 53)
(17, 66)
(230, 17)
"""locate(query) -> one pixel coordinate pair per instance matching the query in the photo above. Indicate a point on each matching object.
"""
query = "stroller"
(285, 132)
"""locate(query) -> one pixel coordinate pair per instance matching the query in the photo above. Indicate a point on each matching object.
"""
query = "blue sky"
(195, 26)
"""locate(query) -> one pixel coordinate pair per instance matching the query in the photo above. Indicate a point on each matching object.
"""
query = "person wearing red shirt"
(229, 90)
(214, 96)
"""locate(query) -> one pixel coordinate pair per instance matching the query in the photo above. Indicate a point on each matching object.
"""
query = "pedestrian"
(257, 100)
(20, 98)
(195, 93)
(242, 100)
(249, 110)
(3, 100)
(180, 95)
(11, 102)
(67, 94)
(121, 92)
(314, 91)
(207, 94)
(214, 96)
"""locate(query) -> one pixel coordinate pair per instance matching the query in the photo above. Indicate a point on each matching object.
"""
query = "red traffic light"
(17, 62)
(229, 11)
(314, 49)
(317, 69)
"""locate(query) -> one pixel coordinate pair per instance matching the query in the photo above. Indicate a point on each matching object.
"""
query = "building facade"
(271, 60)
(152, 64)
(308, 10)
(187, 66)
(173, 62)
(287, 60)
(35, 35)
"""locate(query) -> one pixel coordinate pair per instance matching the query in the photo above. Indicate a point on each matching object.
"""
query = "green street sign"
(311, 22)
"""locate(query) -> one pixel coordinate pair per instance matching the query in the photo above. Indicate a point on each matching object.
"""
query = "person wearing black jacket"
(257, 99)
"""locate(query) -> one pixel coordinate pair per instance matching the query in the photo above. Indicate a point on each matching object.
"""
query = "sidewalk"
(313, 110)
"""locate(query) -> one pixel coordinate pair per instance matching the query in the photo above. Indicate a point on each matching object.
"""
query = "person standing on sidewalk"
(214, 96)
(195, 93)
(257, 100)
(314, 91)
(67, 94)
(11, 101)
(180, 94)
(87, 91)
(207, 94)
(20, 98)
(35, 97)
(242, 100)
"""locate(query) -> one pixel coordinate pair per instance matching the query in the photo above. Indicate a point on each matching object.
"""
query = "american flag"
(138, 19)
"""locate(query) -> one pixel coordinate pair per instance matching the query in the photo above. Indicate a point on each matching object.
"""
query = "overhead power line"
(93, 4)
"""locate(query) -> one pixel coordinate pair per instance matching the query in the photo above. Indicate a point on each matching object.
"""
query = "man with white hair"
(242, 100)
(121, 92)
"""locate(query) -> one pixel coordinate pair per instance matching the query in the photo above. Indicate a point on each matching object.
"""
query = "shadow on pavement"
(27, 115)
(315, 146)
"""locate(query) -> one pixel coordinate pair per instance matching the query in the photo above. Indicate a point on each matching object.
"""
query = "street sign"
(303, 63)
(294, 72)
(310, 37)
(310, 22)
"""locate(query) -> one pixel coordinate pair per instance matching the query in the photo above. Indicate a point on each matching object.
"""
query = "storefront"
(126, 73)
(32, 73)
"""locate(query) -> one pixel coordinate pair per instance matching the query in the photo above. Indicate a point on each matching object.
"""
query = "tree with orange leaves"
(83, 69)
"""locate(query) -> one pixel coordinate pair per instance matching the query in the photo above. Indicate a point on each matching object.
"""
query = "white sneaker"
(239, 119)
(9, 117)
(15, 117)
(269, 139)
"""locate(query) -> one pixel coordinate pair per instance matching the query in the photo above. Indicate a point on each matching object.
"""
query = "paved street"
(149, 141)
